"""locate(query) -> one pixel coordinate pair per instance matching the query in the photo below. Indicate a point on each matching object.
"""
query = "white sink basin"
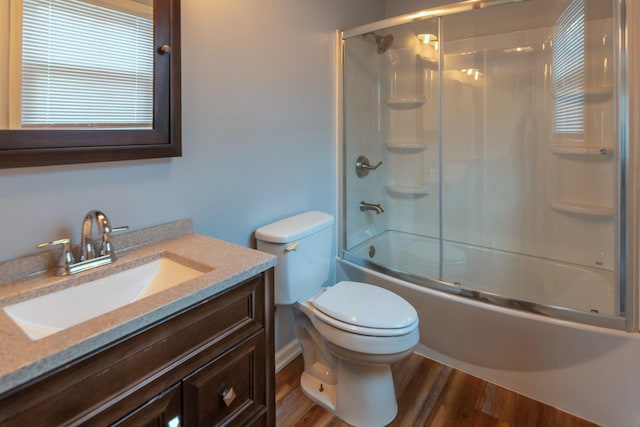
(48, 314)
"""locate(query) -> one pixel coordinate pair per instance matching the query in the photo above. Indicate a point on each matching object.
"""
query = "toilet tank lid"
(294, 227)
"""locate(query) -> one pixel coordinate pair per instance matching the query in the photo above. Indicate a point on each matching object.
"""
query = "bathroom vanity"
(199, 353)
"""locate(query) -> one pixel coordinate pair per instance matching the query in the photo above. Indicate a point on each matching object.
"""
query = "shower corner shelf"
(591, 151)
(585, 209)
(406, 101)
(427, 63)
(405, 190)
(406, 145)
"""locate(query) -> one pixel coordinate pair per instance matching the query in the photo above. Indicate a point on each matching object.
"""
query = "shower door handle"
(363, 166)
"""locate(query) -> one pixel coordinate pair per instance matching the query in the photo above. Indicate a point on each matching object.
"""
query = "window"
(85, 65)
(568, 70)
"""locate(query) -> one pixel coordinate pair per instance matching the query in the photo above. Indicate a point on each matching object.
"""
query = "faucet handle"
(106, 248)
(363, 166)
(66, 256)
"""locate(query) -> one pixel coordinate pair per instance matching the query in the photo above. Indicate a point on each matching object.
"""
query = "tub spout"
(364, 206)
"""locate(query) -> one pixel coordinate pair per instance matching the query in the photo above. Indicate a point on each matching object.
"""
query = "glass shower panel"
(529, 153)
(391, 115)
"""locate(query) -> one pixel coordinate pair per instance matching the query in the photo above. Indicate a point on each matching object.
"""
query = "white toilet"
(350, 332)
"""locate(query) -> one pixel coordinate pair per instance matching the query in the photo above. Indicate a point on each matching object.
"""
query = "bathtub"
(588, 371)
(517, 277)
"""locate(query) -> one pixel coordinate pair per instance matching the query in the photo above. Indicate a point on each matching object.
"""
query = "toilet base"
(364, 395)
(322, 394)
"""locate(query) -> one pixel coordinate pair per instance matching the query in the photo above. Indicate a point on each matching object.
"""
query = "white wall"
(258, 133)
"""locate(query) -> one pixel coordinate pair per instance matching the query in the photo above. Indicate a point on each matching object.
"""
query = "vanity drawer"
(229, 390)
(163, 410)
(111, 383)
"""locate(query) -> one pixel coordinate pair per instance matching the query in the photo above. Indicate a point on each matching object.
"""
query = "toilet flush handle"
(291, 247)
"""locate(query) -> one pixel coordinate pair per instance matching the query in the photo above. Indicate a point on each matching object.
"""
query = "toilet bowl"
(350, 333)
(363, 318)
(364, 339)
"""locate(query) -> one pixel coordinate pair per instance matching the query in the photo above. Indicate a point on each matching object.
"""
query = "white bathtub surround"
(519, 177)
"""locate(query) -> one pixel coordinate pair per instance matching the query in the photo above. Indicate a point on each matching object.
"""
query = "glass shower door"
(529, 153)
(482, 154)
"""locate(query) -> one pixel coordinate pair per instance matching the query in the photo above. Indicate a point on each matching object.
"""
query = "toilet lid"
(365, 305)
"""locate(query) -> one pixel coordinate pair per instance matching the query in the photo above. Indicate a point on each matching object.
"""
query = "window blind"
(568, 69)
(84, 65)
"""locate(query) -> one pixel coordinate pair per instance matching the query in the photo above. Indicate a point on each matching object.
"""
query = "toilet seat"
(365, 309)
(369, 344)
(361, 330)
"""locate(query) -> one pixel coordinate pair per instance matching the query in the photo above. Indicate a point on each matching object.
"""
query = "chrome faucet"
(87, 249)
(88, 259)
(364, 206)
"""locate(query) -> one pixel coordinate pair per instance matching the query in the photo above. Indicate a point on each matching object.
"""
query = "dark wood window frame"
(22, 148)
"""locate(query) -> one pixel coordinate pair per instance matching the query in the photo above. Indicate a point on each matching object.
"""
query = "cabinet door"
(230, 389)
(161, 411)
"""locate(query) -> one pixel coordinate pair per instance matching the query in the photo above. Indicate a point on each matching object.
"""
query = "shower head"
(383, 42)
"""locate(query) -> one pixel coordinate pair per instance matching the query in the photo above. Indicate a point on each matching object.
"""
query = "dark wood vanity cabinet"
(212, 364)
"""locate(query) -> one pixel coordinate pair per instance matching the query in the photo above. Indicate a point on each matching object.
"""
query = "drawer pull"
(228, 396)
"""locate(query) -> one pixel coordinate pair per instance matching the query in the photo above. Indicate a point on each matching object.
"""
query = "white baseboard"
(423, 351)
(287, 353)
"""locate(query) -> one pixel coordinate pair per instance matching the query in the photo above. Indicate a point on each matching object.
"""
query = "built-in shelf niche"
(590, 151)
(405, 102)
(583, 209)
(427, 63)
(406, 190)
(406, 145)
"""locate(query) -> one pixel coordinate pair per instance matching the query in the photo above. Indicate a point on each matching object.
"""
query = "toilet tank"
(303, 245)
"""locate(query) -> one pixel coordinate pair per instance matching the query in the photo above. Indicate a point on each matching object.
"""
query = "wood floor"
(429, 394)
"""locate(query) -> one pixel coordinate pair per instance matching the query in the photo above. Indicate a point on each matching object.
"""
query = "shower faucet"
(383, 42)
(364, 206)
(363, 166)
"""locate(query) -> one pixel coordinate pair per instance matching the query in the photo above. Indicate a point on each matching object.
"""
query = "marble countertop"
(23, 359)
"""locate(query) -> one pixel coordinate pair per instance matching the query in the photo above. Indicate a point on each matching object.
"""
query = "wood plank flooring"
(429, 394)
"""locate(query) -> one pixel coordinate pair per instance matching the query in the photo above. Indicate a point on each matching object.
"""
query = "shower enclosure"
(485, 154)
